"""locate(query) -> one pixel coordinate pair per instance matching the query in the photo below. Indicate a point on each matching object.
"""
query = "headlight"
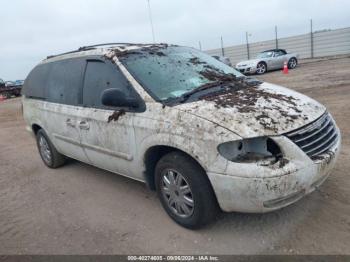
(262, 150)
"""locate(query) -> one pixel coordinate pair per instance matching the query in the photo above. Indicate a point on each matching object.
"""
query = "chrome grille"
(316, 138)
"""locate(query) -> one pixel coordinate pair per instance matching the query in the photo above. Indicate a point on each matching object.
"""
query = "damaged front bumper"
(257, 189)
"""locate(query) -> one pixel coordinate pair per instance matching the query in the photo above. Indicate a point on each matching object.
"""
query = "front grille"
(316, 138)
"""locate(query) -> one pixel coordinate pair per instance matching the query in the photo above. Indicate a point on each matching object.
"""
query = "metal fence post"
(222, 47)
(246, 37)
(311, 39)
(200, 45)
(276, 37)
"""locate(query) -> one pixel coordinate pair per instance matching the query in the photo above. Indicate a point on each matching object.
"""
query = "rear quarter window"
(35, 84)
(57, 82)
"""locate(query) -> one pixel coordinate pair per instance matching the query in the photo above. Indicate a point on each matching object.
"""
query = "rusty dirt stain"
(116, 115)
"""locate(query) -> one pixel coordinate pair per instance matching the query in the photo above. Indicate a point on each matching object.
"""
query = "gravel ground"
(79, 209)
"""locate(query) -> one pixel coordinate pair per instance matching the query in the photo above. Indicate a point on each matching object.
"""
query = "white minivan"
(197, 131)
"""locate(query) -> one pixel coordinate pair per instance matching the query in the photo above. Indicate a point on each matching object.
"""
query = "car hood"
(248, 62)
(265, 110)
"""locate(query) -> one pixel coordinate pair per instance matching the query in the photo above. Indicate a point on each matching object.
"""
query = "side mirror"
(116, 98)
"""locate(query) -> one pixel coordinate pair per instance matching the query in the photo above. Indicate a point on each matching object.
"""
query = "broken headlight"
(261, 150)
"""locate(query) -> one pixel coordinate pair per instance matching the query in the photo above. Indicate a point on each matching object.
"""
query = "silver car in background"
(268, 60)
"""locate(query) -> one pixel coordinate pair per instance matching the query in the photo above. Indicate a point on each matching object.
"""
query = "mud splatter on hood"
(257, 111)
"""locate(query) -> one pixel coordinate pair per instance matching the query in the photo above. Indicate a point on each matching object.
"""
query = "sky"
(30, 30)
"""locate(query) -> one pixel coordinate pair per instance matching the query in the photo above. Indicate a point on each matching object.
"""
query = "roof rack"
(105, 44)
(85, 48)
(66, 53)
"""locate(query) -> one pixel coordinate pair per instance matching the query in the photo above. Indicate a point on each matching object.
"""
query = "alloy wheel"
(292, 63)
(45, 151)
(177, 193)
(261, 68)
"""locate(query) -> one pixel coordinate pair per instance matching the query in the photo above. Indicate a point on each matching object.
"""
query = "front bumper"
(257, 189)
(248, 69)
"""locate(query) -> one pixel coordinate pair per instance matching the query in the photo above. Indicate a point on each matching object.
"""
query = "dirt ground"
(79, 209)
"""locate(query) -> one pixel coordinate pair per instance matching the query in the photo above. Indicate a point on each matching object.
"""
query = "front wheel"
(185, 191)
(261, 68)
(292, 63)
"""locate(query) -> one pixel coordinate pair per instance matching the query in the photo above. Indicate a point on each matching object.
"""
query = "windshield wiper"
(184, 97)
(224, 82)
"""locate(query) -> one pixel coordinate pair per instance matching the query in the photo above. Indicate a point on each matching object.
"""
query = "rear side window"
(57, 82)
(65, 81)
(35, 84)
(100, 76)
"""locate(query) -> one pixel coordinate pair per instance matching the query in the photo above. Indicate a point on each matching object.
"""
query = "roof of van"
(101, 49)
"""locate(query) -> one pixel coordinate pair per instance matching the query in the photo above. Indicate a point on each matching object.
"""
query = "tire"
(7, 95)
(292, 63)
(261, 68)
(50, 156)
(185, 171)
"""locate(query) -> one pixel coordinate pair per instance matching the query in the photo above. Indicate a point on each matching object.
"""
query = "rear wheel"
(50, 156)
(292, 63)
(261, 68)
(185, 191)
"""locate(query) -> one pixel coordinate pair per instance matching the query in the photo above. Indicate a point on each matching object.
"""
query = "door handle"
(84, 125)
(70, 123)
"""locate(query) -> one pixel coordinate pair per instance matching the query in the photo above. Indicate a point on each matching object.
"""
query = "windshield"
(2, 81)
(171, 71)
(265, 54)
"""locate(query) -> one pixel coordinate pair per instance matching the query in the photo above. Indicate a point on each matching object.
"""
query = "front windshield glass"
(265, 54)
(2, 81)
(170, 71)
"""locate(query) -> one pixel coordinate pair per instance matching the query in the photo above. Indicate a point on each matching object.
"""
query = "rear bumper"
(273, 189)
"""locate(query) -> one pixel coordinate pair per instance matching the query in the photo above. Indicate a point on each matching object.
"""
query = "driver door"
(108, 142)
(278, 60)
(268, 59)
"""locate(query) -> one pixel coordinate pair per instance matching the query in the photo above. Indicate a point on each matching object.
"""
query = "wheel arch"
(36, 128)
(293, 57)
(34, 122)
(262, 61)
(153, 155)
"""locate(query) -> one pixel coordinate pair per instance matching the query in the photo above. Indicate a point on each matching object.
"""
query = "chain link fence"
(314, 44)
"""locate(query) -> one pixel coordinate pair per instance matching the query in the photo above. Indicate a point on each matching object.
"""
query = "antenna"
(150, 19)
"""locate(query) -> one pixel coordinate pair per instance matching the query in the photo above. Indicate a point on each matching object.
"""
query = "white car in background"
(268, 60)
